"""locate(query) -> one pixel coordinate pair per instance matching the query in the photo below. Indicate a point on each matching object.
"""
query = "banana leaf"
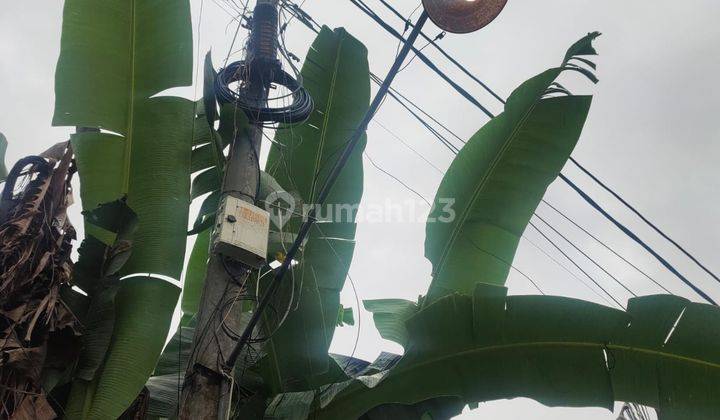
(336, 74)
(663, 353)
(496, 182)
(390, 315)
(115, 58)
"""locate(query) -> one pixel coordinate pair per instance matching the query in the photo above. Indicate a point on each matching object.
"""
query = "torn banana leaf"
(496, 182)
(664, 352)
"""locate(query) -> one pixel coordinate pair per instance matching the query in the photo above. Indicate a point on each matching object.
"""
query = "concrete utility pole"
(207, 389)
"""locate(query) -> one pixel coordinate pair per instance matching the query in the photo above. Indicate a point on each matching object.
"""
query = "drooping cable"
(423, 57)
(606, 246)
(584, 254)
(446, 55)
(643, 218)
(561, 251)
(635, 238)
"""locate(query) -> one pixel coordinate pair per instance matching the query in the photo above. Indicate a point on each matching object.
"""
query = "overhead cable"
(643, 218)
(606, 246)
(557, 247)
(635, 238)
(445, 54)
(423, 57)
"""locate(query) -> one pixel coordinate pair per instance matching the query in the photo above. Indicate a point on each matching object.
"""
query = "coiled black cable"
(298, 111)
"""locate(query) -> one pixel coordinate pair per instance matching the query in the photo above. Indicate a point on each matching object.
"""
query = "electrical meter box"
(242, 232)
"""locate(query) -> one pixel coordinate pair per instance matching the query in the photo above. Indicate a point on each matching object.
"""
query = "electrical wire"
(297, 112)
(446, 55)
(606, 246)
(398, 180)
(375, 17)
(584, 254)
(404, 101)
(643, 218)
(365, 9)
(635, 238)
(560, 250)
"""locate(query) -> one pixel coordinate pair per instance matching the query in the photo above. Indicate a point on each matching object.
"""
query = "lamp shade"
(463, 16)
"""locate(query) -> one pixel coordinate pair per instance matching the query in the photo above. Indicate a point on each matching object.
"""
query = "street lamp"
(463, 16)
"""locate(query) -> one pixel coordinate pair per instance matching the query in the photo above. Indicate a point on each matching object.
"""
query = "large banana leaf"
(664, 352)
(115, 56)
(494, 185)
(336, 74)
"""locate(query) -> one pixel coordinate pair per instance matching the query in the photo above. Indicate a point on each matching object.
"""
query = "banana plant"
(116, 59)
(466, 341)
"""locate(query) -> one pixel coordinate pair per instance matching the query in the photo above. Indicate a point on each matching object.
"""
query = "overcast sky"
(652, 134)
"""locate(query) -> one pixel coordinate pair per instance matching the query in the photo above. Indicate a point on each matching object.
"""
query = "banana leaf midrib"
(127, 156)
(323, 135)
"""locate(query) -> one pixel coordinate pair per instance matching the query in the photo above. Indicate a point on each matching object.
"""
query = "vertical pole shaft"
(206, 392)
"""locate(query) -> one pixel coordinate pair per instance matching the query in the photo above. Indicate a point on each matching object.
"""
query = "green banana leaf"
(96, 272)
(336, 74)
(496, 182)
(298, 405)
(114, 58)
(3, 150)
(390, 315)
(664, 352)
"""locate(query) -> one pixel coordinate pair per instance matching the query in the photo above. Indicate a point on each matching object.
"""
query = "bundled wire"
(298, 111)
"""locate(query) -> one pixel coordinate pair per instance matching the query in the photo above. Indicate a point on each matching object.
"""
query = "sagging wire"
(606, 246)
(398, 180)
(652, 225)
(567, 270)
(584, 254)
(561, 251)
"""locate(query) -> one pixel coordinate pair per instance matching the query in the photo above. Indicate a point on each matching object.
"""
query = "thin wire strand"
(554, 245)
(606, 246)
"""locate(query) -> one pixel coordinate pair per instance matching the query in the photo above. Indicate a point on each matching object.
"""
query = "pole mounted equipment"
(463, 16)
(262, 67)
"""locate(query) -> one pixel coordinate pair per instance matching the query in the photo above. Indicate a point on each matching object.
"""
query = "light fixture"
(463, 16)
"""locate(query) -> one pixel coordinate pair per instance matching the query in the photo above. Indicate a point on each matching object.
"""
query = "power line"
(559, 264)
(606, 246)
(365, 9)
(643, 218)
(398, 180)
(575, 264)
(635, 238)
(584, 254)
(401, 99)
(445, 54)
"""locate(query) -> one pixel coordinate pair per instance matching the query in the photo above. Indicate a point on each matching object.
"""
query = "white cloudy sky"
(651, 134)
